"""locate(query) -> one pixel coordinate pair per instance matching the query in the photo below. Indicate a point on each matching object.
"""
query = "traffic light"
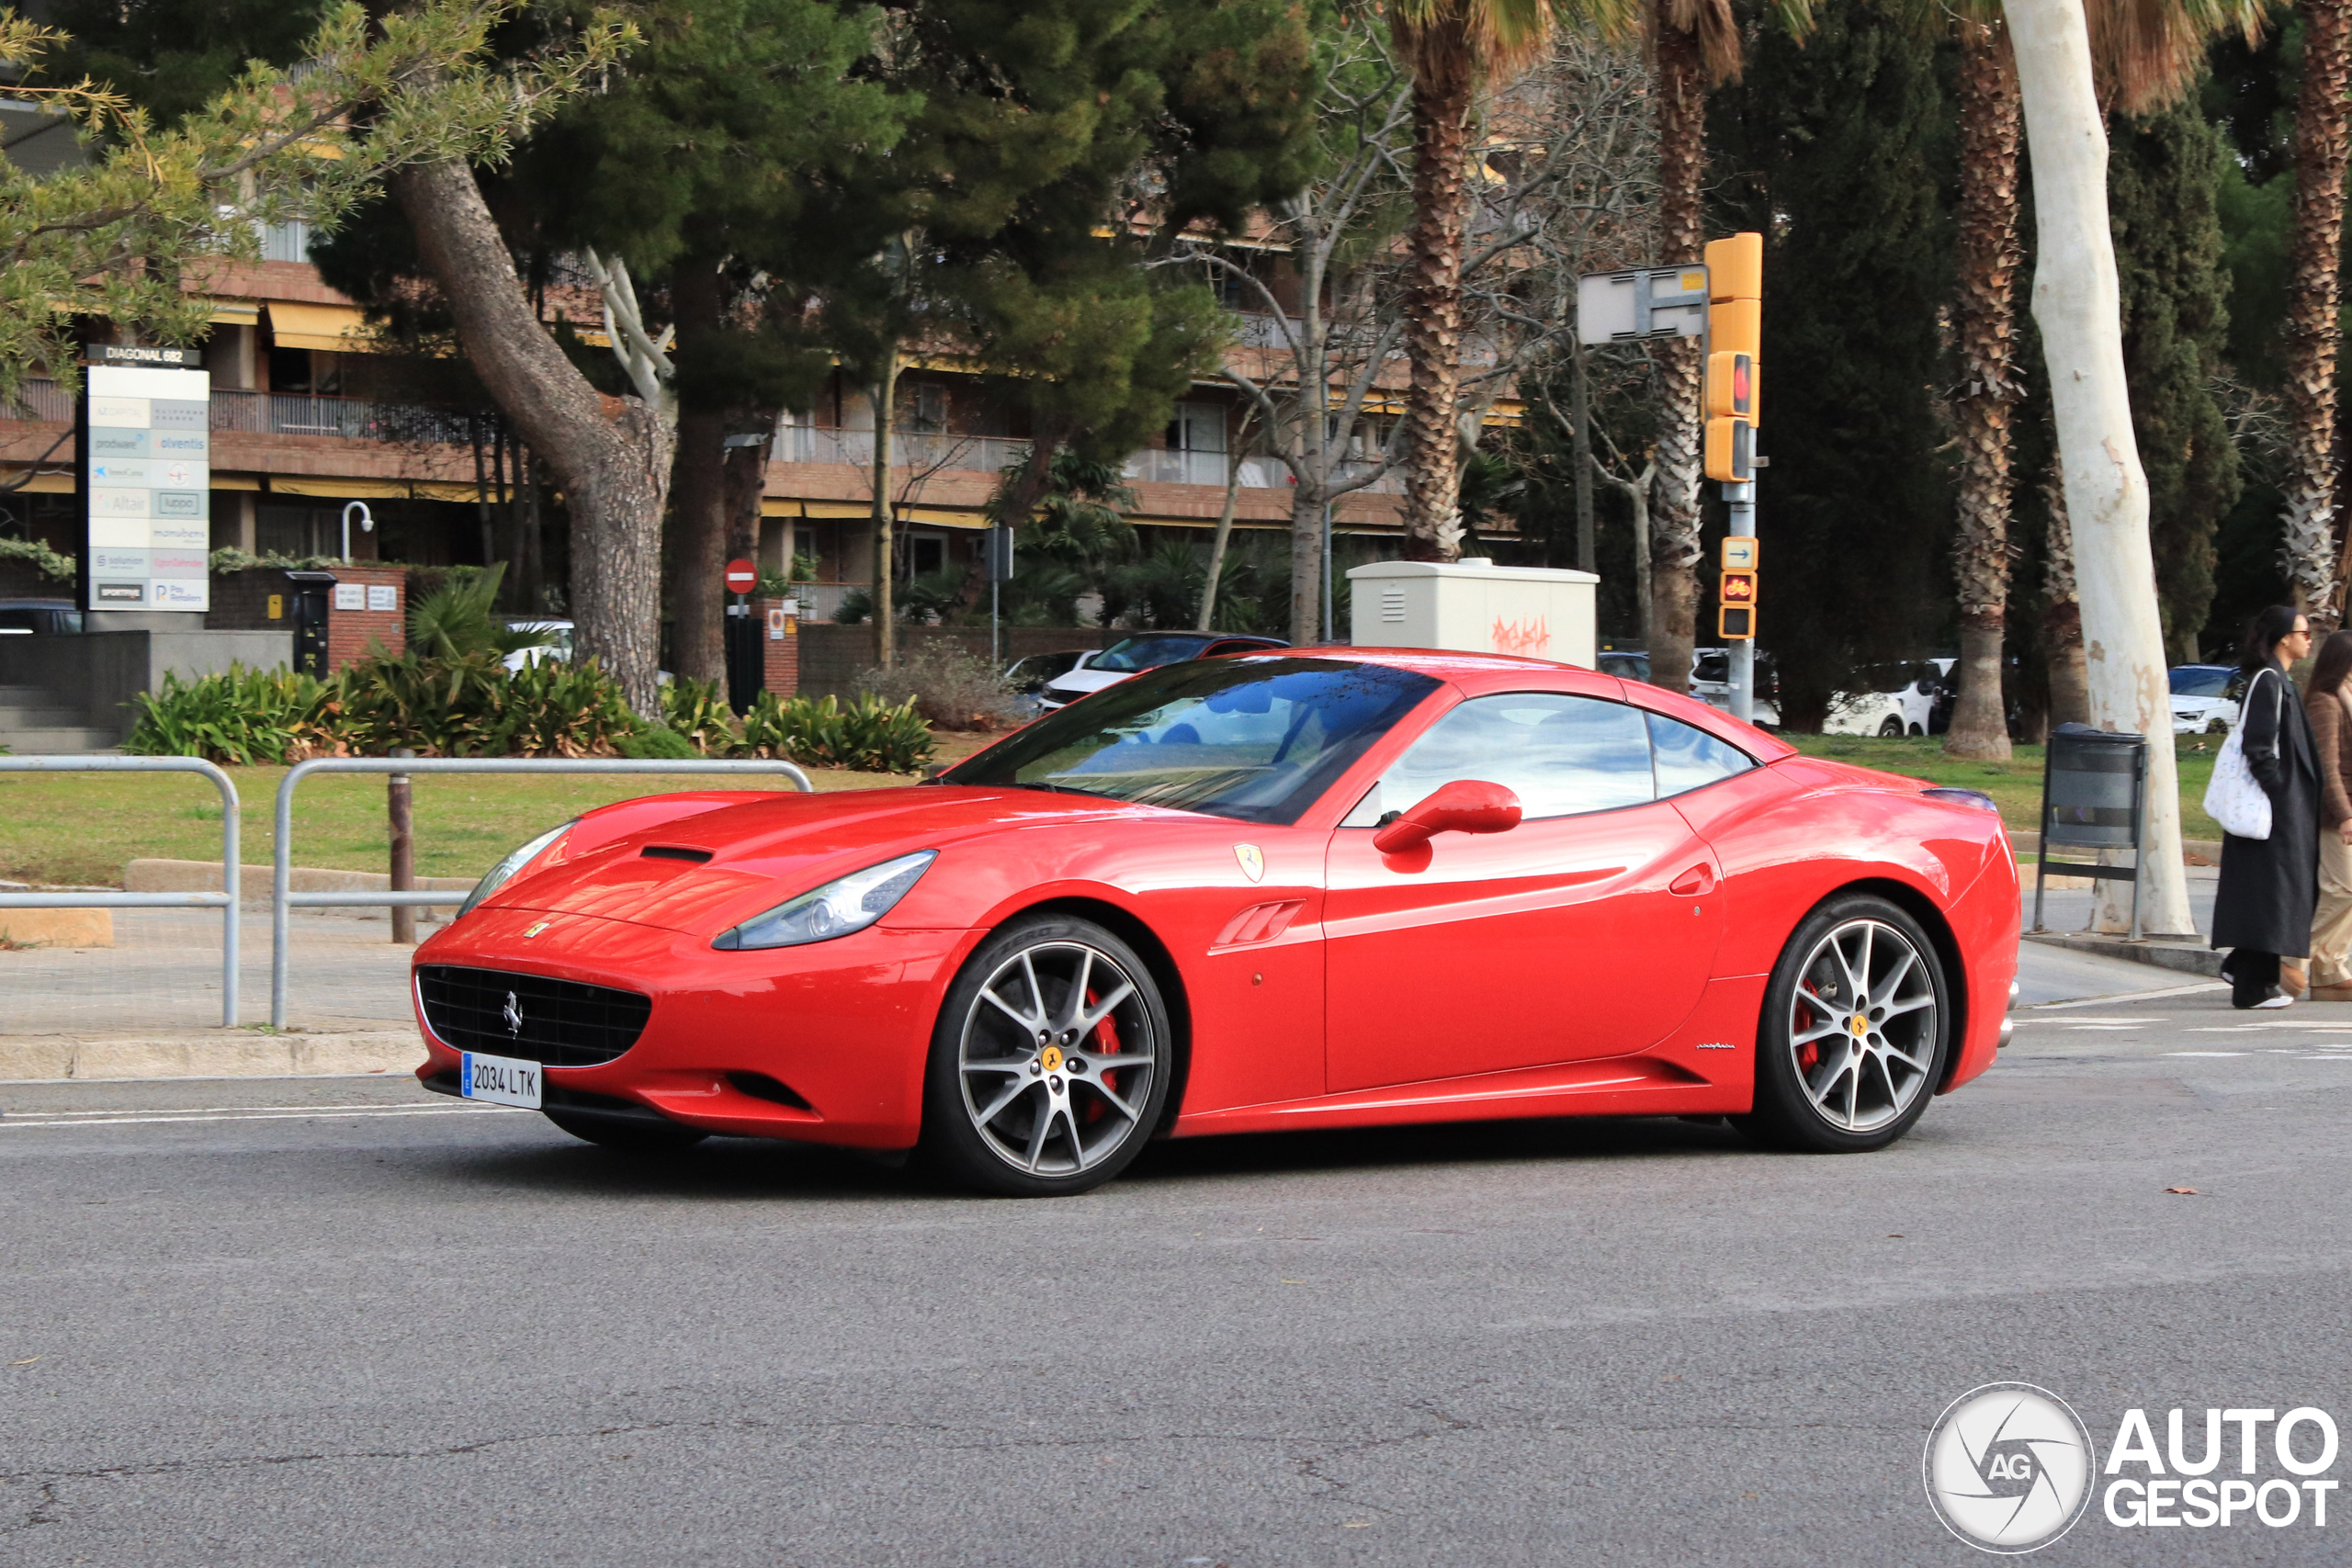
(1736, 623)
(1734, 352)
(1731, 451)
(1737, 588)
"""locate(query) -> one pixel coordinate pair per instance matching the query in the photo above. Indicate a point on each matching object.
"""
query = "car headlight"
(1976, 798)
(847, 904)
(505, 871)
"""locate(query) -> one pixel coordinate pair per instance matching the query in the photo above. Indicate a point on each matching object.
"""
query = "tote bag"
(2235, 798)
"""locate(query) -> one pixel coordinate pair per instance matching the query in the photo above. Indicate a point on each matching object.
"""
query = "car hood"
(1078, 683)
(770, 847)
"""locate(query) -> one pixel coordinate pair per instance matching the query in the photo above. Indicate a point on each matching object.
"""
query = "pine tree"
(2164, 173)
(1827, 147)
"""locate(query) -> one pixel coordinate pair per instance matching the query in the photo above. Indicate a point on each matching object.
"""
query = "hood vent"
(675, 851)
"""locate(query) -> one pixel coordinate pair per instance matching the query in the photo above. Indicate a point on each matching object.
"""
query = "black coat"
(2269, 886)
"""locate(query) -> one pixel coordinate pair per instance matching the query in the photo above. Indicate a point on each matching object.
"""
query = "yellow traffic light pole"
(1734, 363)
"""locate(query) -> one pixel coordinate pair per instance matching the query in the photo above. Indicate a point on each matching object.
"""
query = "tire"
(1917, 730)
(1890, 728)
(627, 1136)
(1815, 1092)
(1023, 1095)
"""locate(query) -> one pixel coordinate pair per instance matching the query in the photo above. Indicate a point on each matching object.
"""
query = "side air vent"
(674, 851)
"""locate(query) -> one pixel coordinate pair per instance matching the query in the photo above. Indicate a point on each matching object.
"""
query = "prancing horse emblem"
(513, 1013)
(534, 928)
(1253, 863)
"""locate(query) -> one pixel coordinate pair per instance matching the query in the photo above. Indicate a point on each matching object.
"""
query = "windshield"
(1130, 654)
(1255, 739)
(2201, 680)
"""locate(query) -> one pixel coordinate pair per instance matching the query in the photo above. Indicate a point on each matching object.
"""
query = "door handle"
(1698, 879)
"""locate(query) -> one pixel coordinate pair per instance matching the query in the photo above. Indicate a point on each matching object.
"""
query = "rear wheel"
(1049, 1065)
(1890, 728)
(1854, 1032)
(626, 1135)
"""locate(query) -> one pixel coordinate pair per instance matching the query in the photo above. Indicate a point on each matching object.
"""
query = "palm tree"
(2143, 59)
(1452, 48)
(2313, 255)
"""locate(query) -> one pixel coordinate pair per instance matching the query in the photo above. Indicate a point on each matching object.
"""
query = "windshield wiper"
(1064, 789)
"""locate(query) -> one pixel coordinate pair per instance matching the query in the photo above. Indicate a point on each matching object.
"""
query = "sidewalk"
(150, 1006)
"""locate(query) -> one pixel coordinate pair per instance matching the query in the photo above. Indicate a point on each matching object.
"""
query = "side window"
(1689, 758)
(1560, 755)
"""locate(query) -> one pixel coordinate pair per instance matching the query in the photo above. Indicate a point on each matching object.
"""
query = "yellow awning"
(49, 484)
(339, 488)
(941, 517)
(236, 481)
(338, 329)
(457, 489)
(234, 312)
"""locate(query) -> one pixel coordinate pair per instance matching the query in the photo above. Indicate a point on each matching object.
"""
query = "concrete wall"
(831, 655)
(241, 601)
(101, 671)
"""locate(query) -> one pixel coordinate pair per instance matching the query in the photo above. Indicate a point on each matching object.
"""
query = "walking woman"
(2328, 705)
(2269, 886)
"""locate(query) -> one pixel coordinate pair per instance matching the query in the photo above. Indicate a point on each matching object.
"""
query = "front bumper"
(825, 1042)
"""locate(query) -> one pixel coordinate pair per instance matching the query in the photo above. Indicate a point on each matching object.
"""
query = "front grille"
(559, 1022)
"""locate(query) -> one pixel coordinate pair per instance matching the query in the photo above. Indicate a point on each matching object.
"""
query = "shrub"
(475, 706)
(657, 742)
(240, 716)
(37, 554)
(951, 688)
(868, 735)
(700, 715)
(855, 606)
(458, 617)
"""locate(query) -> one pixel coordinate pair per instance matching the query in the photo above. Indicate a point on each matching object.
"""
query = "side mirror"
(1465, 806)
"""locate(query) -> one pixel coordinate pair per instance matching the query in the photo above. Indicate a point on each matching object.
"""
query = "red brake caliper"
(1102, 1042)
(1809, 1053)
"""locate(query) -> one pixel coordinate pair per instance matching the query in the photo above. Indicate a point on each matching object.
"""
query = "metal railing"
(283, 899)
(225, 900)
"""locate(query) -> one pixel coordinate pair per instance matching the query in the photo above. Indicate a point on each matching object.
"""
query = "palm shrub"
(867, 735)
(698, 711)
(459, 617)
(240, 716)
(475, 706)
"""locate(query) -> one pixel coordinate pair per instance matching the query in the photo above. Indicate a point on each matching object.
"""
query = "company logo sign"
(513, 1013)
(2009, 1467)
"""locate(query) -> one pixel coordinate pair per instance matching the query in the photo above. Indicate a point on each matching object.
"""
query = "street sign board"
(1740, 553)
(1658, 301)
(147, 485)
(998, 543)
(742, 576)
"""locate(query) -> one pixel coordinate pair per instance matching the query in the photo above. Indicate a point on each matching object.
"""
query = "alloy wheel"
(1862, 1025)
(1056, 1057)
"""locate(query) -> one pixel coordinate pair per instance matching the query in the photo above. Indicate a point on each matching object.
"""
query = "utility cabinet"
(1474, 606)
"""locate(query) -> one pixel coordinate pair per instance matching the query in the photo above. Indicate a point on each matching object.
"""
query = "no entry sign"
(742, 577)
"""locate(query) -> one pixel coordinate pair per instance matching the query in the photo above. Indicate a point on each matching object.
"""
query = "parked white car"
(2200, 701)
(557, 645)
(1711, 683)
(1889, 700)
(1144, 650)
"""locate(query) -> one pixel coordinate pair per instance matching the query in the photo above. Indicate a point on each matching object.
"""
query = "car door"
(1588, 930)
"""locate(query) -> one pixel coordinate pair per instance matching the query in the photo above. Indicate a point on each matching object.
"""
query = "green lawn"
(2016, 783)
(79, 828)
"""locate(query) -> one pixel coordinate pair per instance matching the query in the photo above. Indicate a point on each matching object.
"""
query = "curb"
(2178, 953)
(207, 1053)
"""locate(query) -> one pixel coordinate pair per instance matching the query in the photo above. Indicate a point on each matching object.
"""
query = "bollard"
(396, 800)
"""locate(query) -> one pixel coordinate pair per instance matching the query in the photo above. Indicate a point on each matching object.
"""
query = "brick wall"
(779, 656)
(240, 602)
(832, 655)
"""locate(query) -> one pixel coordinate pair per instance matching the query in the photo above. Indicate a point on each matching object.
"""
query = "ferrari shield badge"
(1253, 863)
(534, 928)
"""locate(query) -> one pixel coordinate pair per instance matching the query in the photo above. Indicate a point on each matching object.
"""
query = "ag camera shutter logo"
(2009, 1467)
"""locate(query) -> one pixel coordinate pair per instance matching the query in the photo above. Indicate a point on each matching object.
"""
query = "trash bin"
(2094, 796)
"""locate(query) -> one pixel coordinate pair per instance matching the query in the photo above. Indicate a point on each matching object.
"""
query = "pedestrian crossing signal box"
(1731, 387)
(1737, 588)
(1731, 451)
(1736, 623)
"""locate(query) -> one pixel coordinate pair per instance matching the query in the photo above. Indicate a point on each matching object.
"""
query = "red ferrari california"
(1319, 889)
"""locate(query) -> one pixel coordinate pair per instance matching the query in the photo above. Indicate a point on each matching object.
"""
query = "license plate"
(502, 1080)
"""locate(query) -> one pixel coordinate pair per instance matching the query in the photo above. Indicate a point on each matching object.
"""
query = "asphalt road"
(328, 1321)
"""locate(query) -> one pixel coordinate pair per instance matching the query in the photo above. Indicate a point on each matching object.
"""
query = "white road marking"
(2111, 1027)
(27, 1123)
(2128, 997)
(2208, 1052)
(454, 1103)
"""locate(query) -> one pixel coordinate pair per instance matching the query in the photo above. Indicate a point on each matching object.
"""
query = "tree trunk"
(697, 515)
(1983, 320)
(2077, 306)
(2061, 623)
(610, 454)
(1674, 521)
(1444, 79)
(2314, 255)
(1580, 450)
(1224, 535)
(884, 393)
(1305, 568)
(743, 483)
